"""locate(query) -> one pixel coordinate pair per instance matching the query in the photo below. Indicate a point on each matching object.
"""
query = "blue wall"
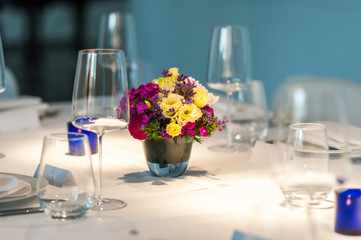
(288, 37)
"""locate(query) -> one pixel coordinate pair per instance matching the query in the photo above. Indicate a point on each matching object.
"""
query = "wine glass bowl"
(100, 84)
(2, 68)
(229, 68)
(117, 31)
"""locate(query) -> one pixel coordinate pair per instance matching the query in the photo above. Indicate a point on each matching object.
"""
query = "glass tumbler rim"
(103, 51)
(307, 126)
(64, 136)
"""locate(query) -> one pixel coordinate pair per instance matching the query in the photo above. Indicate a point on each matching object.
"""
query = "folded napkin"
(19, 114)
(22, 188)
(339, 134)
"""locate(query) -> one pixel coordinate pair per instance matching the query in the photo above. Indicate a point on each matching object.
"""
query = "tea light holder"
(93, 139)
(348, 212)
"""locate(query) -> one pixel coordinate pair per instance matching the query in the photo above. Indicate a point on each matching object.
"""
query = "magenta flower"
(135, 128)
(203, 131)
(192, 132)
(141, 107)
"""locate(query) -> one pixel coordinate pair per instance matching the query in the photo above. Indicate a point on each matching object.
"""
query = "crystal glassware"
(100, 85)
(306, 180)
(117, 31)
(2, 76)
(229, 69)
(312, 101)
(250, 115)
(66, 166)
(2, 68)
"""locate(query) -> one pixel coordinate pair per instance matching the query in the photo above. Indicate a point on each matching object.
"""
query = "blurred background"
(41, 38)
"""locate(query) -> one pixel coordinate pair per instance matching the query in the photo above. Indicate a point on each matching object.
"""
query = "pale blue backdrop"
(288, 37)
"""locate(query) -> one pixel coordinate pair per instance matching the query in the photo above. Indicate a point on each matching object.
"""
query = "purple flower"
(141, 107)
(166, 73)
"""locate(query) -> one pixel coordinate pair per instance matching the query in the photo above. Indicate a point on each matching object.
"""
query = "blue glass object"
(165, 158)
(168, 170)
(93, 138)
(348, 212)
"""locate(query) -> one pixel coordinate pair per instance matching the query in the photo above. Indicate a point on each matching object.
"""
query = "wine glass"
(2, 68)
(313, 100)
(117, 31)
(229, 69)
(250, 115)
(100, 84)
(2, 76)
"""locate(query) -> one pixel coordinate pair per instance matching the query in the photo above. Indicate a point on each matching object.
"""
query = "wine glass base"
(230, 148)
(107, 204)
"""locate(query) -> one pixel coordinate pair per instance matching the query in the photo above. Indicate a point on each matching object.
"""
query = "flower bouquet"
(172, 109)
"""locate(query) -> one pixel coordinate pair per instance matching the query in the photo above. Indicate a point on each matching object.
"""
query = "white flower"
(212, 99)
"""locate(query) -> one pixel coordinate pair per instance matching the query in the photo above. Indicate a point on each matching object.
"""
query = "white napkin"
(337, 134)
(22, 188)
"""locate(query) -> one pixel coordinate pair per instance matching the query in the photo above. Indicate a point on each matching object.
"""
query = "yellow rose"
(174, 72)
(174, 129)
(188, 113)
(171, 104)
(201, 97)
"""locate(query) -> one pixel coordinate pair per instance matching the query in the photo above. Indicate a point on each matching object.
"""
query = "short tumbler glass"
(66, 165)
(306, 179)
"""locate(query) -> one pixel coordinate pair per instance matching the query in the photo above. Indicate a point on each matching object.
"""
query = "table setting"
(179, 162)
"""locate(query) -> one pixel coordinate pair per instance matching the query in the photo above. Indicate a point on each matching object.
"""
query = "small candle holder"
(93, 139)
(348, 212)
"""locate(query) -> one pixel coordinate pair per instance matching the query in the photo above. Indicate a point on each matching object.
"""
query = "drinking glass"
(67, 167)
(250, 115)
(229, 69)
(117, 31)
(306, 180)
(100, 85)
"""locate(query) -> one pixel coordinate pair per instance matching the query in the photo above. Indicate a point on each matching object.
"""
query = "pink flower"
(190, 125)
(191, 132)
(203, 131)
(135, 128)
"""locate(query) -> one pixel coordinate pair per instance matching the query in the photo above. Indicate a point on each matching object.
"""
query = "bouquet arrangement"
(172, 106)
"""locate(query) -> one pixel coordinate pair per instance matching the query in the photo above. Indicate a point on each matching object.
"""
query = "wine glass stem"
(229, 125)
(99, 185)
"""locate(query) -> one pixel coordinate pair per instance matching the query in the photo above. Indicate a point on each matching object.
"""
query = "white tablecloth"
(220, 195)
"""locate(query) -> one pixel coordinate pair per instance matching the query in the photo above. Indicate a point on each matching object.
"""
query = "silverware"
(20, 211)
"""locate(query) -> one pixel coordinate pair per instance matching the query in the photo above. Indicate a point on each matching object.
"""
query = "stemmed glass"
(307, 165)
(117, 31)
(250, 115)
(312, 101)
(100, 85)
(229, 69)
(2, 76)
(2, 69)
